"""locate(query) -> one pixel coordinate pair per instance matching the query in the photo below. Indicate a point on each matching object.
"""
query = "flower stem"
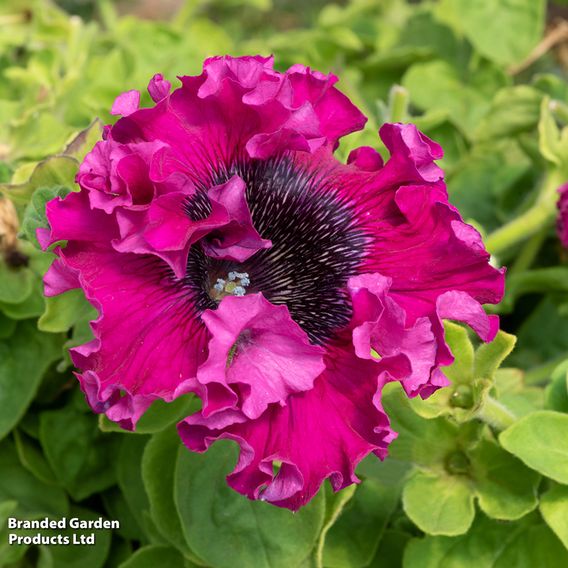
(107, 13)
(529, 252)
(519, 229)
(495, 414)
(539, 216)
(398, 104)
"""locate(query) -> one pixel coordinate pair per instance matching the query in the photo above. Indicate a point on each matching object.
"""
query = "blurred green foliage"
(478, 475)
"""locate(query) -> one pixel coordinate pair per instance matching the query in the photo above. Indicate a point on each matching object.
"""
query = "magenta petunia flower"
(230, 254)
(562, 224)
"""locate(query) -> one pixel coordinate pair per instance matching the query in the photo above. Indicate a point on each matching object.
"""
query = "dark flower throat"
(316, 245)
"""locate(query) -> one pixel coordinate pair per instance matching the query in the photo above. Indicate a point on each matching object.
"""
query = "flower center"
(234, 284)
(316, 246)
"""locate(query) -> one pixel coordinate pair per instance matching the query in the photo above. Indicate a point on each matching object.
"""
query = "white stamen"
(239, 291)
(235, 284)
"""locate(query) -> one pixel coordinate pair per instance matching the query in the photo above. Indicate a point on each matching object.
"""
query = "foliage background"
(478, 476)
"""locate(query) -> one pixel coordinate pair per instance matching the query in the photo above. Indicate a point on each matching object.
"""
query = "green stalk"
(541, 215)
(529, 252)
(107, 13)
(398, 104)
(495, 414)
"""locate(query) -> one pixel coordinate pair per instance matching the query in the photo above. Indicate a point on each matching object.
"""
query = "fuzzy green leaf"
(439, 505)
(227, 529)
(539, 439)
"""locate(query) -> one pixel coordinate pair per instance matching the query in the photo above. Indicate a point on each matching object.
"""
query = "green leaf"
(9, 553)
(335, 503)
(155, 555)
(391, 549)
(34, 139)
(515, 395)
(513, 110)
(505, 488)
(471, 374)
(536, 546)
(64, 311)
(30, 307)
(554, 510)
(158, 474)
(490, 544)
(34, 498)
(353, 539)
(77, 451)
(541, 337)
(24, 358)
(552, 142)
(159, 416)
(389, 473)
(437, 85)
(504, 32)
(27, 301)
(117, 508)
(485, 178)
(489, 356)
(439, 505)
(420, 441)
(15, 283)
(84, 141)
(56, 171)
(457, 338)
(34, 215)
(226, 529)
(33, 459)
(120, 551)
(7, 326)
(557, 390)
(539, 439)
(129, 473)
(77, 556)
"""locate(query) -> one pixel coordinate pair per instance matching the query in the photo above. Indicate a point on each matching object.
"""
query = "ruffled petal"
(366, 158)
(337, 115)
(117, 175)
(60, 278)
(257, 356)
(126, 103)
(379, 323)
(148, 341)
(321, 433)
(433, 251)
(72, 218)
(166, 229)
(413, 151)
(462, 307)
(236, 238)
(268, 112)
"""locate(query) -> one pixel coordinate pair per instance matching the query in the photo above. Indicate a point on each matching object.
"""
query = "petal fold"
(257, 356)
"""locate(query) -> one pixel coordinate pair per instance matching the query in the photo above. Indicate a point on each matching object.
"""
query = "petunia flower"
(230, 254)
(562, 224)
